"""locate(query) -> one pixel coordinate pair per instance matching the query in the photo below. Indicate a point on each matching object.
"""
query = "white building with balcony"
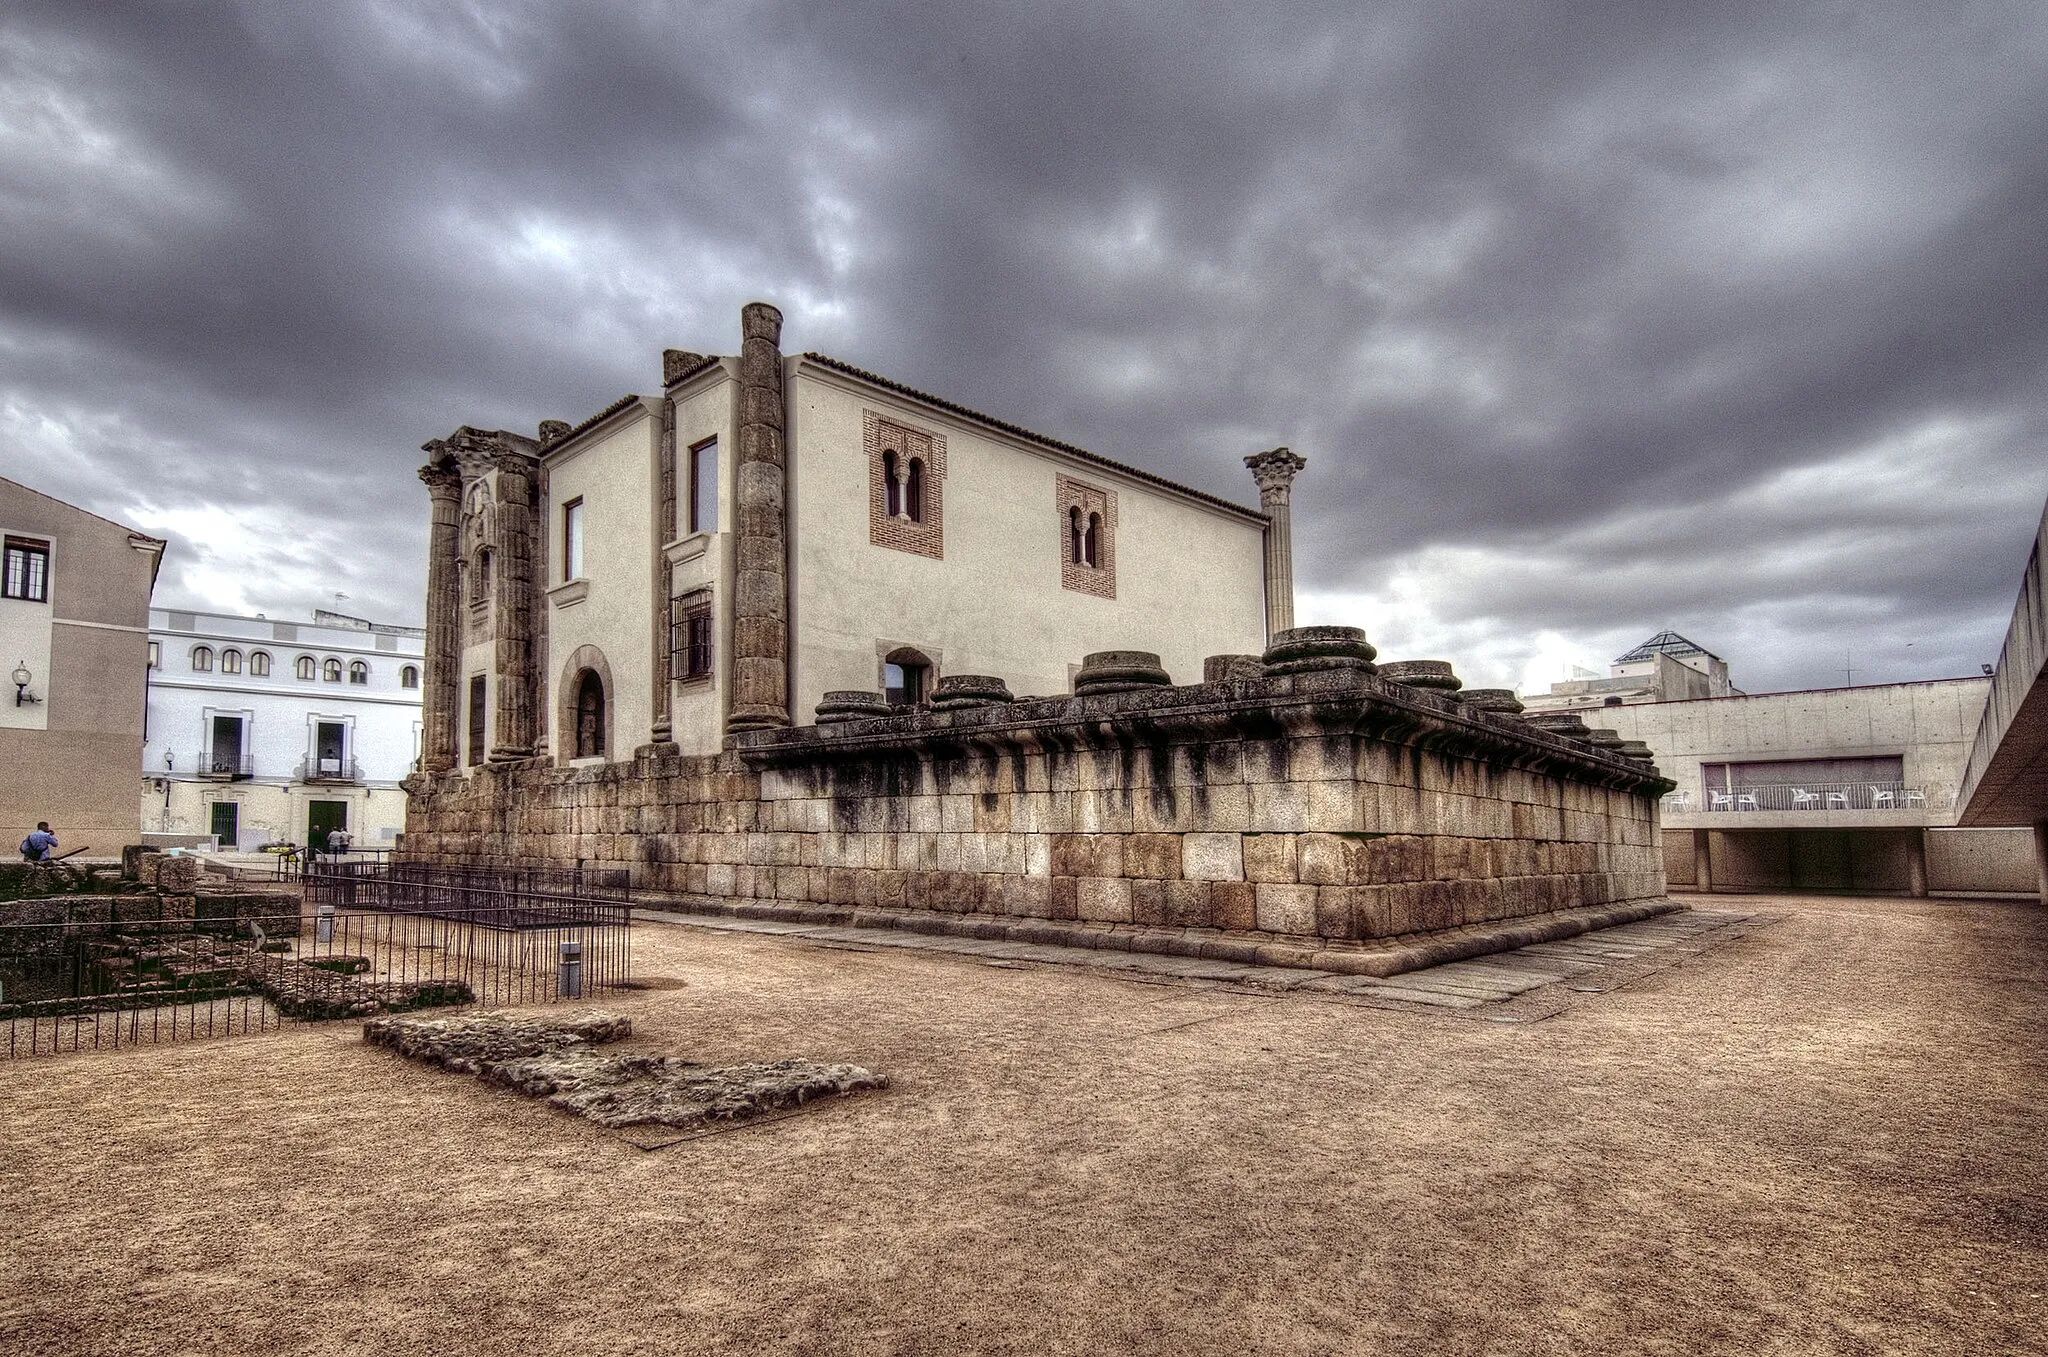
(264, 731)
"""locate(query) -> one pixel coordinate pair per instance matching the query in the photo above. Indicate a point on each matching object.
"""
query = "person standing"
(36, 847)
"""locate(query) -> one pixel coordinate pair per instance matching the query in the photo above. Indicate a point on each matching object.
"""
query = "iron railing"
(524, 897)
(1811, 796)
(209, 764)
(316, 769)
(102, 974)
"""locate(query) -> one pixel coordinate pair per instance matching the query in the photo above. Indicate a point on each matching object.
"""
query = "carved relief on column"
(513, 565)
(444, 612)
(760, 629)
(1275, 470)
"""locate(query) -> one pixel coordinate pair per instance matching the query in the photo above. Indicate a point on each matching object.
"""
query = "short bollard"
(323, 923)
(569, 974)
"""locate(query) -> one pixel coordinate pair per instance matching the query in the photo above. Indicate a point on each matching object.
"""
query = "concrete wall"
(1189, 576)
(1324, 809)
(1929, 725)
(71, 759)
(1959, 861)
(2006, 782)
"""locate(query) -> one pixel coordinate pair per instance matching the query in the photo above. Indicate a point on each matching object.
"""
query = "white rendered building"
(263, 731)
(772, 528)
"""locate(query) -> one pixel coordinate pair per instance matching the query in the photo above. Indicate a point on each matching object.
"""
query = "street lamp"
(22, 696)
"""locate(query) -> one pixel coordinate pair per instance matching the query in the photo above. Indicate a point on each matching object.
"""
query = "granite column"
(760, 625)
(444, 618)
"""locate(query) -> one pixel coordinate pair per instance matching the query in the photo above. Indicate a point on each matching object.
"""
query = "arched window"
(589, 715)
(1091, 538)
(202, 659)
(1074, 537)
(892, 488)
(358, 672)
(306, 666)
(331, 670)
(914, 496)
(231, 661)
(259, 663)
(409, 677)
(906, 677)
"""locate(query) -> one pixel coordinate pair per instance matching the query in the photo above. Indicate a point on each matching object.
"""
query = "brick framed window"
(1087, 528)
(906, 486)
(690, 637)
(28, 570)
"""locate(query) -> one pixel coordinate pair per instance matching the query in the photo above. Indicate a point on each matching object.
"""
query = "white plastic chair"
(1838, 801)
(1721, 801)
(1802, 798)
(1915, 798)
(1745, 801)
(1880, 797)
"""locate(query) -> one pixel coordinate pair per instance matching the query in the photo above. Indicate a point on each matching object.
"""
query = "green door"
(226, 815)
(322, 816)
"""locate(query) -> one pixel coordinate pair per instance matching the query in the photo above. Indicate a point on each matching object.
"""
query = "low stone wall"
(1335, 806)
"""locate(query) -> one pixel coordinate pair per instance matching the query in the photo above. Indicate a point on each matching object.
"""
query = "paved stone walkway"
(1528, 983)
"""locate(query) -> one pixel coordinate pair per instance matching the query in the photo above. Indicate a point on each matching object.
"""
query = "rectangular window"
(572, 540)
(156, 654)
(476, 719)
(689, 636)
(28, 570)
(704, 487)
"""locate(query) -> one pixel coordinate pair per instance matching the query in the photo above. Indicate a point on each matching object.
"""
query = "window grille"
(28, 570)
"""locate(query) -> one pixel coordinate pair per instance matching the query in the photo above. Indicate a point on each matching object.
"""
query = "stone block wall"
(1334, 806)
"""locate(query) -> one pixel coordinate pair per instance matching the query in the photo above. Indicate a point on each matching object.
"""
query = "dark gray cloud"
(1591, 319)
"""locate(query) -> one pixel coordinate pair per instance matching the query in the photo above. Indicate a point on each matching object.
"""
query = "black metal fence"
(520, 897)
(127, 971)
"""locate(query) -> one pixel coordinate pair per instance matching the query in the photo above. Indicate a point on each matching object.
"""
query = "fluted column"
(1275, 471)
(513, 614)
(444, 618)
(760, 625)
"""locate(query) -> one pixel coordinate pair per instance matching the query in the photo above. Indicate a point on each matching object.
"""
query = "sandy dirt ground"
(1824, 1137)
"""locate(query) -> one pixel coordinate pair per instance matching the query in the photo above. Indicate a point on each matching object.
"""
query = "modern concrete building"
(263, 731)
(2005, 781)
(1828, 789)
(770, 528)
(74, 622)
(1665, 668)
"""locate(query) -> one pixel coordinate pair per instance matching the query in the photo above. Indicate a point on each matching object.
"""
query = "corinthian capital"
(1275, 471)
(443, 480)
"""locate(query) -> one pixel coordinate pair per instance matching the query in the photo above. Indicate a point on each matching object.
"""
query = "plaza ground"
(1823, 1135)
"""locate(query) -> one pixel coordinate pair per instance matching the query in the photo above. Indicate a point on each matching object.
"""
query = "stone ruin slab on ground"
(551, 1056)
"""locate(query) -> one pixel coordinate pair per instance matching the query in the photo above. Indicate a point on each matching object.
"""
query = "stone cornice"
(1338, 703)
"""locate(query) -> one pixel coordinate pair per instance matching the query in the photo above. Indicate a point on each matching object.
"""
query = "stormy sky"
(1591, 320)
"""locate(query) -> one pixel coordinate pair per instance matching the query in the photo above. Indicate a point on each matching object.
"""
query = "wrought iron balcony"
(1815, 796)
(223, 768)
(317, 769)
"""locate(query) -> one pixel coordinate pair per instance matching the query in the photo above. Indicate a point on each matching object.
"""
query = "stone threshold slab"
(1503, 982)
(1393, 956)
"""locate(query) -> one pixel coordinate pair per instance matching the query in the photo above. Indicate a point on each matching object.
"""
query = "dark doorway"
(330, 741)
(226, 816)
(589, 715)
(226, 755)
(322, 816)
